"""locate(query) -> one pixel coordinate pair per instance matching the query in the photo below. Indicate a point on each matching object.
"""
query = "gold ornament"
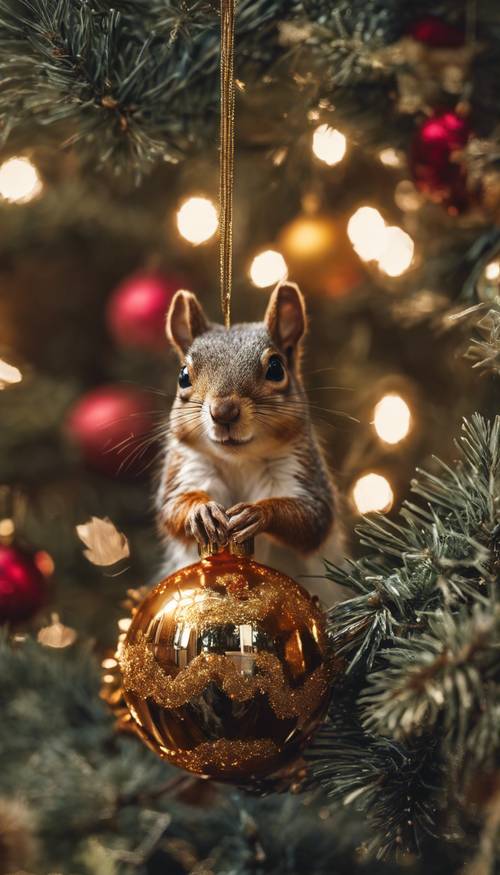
(225, 669)
(318, 254)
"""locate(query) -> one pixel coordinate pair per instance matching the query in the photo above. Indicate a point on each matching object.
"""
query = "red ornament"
(111, 426)
(22, 585)
(137, 309)
(435, 32)
(432, 159)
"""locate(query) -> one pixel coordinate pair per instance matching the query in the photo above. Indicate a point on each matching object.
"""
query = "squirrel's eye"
(275, 370)
(184, 380)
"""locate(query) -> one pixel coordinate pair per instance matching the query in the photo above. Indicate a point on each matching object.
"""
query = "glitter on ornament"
(225, 668)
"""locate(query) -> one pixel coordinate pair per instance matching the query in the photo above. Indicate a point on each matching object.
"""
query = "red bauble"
(22, 585)
(137, 309)
(111, 426)
(435, 32)
(431, 159)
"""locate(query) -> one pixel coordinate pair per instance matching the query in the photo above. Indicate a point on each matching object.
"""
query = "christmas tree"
(367, 171)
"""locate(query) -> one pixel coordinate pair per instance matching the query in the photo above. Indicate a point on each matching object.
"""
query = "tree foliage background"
(117, 106)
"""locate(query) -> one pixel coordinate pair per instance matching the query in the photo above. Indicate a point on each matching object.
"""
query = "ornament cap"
(245, 548)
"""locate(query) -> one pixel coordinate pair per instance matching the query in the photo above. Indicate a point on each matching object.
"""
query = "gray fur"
(232, 355)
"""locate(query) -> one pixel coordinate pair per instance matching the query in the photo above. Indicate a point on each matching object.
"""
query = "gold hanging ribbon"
(226, 180)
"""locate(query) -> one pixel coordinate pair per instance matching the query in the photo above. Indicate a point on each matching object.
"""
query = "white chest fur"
(240, 480)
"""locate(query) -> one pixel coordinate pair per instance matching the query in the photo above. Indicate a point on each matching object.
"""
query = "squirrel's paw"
(208, 524)
(245, 521)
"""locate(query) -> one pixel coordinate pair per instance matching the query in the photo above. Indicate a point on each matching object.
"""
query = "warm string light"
(329, 145)
(390, 157)
(268, 268)
(7, 528)
(397, 252)
(9, 374)
(492, 271)
(19, 181)
(197, 220)
(372, 493)
(366, 231)
(407, 197)
(373, 240)
(392, 419)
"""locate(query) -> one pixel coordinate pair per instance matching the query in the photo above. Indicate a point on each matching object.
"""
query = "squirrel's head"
(239, 387)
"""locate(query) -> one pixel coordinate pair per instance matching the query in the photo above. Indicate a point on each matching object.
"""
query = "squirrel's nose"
(224, 410)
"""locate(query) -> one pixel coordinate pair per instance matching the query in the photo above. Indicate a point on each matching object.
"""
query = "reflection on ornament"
(371, 493)
(390, 157)
(392, 419)
(488, 284)
(406, 196)
(268, 268)
(366, 231)
(397, 252)
(19, 181)
(329, 145)
(225, 670)
(197, 220)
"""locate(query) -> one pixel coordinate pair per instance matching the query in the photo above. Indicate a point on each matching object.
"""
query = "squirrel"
(242, 458)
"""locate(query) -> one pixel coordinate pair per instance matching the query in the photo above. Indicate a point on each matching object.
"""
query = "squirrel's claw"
(207, 523)
(245, 521)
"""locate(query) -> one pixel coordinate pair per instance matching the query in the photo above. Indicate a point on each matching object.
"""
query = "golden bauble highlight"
(319, 255)
(225, 669)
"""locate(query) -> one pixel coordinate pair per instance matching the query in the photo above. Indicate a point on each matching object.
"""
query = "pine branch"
(131, 85)
(442, 676)
(438, 557)
(417, 711)
(397, 787)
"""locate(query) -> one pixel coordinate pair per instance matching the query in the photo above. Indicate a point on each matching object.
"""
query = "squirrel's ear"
(286, 315)
(185, 321)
